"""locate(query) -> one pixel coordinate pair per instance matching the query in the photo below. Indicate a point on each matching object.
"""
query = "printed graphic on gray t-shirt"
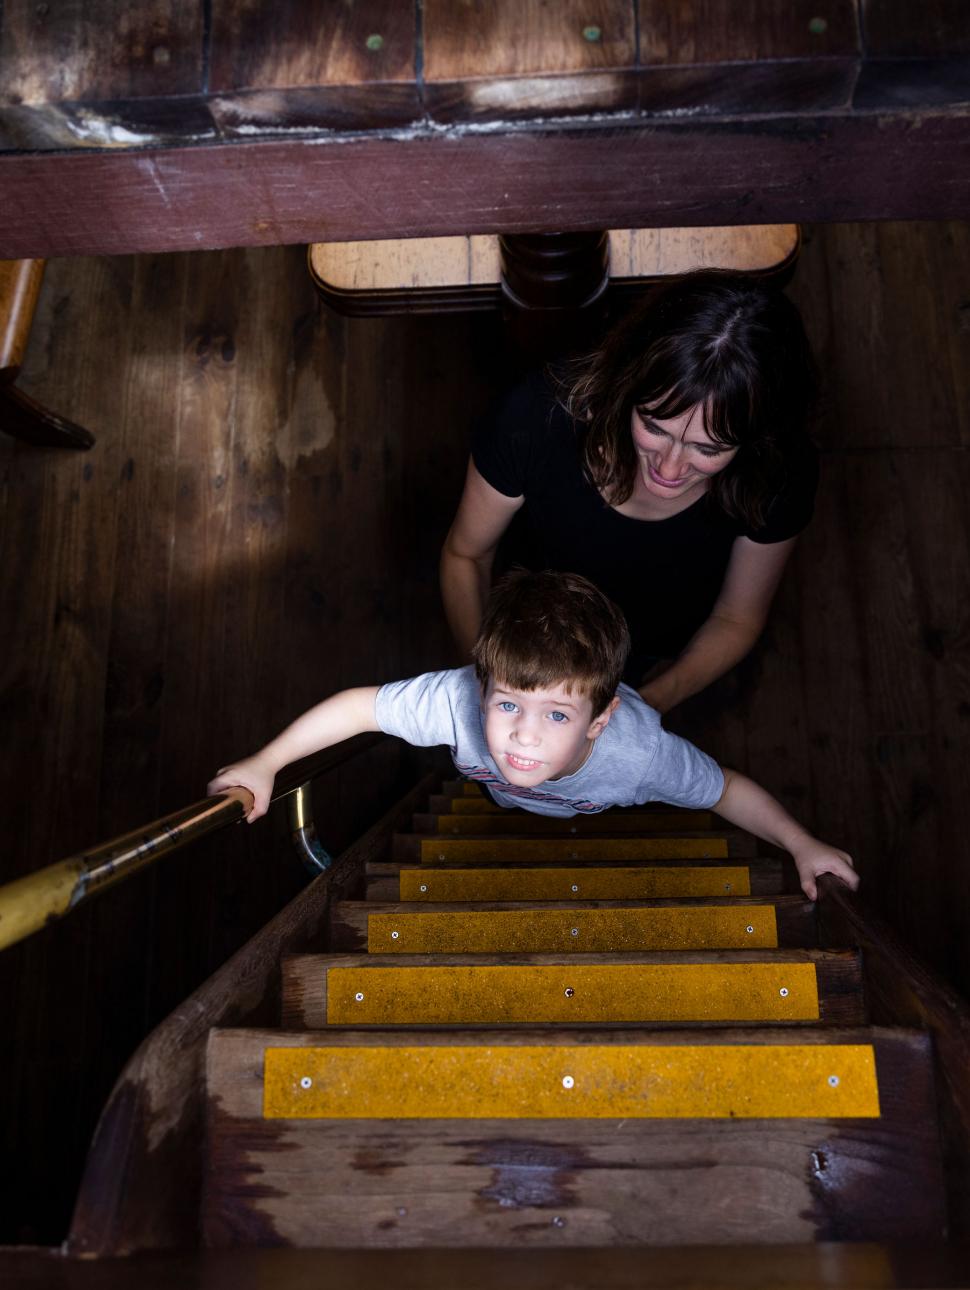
(633, 761)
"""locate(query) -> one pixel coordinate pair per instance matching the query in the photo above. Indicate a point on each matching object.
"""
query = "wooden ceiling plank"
(295, 45)
(299, 66)
(90, 50)
(709, 31)
(508, 58)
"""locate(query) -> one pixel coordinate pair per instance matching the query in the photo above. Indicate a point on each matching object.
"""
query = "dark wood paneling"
(171, 600)
(899, 29)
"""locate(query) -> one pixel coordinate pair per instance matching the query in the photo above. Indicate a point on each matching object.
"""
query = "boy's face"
(535, 735)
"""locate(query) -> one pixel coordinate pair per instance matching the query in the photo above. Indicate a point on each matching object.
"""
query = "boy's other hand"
(818, 857)
(250, 773)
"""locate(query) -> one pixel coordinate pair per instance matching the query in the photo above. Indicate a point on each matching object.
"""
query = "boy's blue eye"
(558, 716)
(506, 706)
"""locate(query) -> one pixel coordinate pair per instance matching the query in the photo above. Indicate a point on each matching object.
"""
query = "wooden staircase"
(613, 1030)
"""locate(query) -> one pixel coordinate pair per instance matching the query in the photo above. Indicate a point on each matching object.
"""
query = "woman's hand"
(251, 773)
(817, 857)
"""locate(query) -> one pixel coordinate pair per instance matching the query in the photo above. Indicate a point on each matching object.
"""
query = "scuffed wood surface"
(550, 1183)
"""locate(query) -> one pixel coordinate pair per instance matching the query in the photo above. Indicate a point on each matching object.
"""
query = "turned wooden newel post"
(554, 289)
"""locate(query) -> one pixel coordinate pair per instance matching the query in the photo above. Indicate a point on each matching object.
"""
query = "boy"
(546, 725)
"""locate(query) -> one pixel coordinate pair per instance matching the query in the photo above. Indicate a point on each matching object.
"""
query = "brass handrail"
(31, 902)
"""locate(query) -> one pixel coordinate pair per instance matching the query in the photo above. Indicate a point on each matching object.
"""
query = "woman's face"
(676, 455)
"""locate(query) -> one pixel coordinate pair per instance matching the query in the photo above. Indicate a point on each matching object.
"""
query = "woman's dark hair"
(736, 347)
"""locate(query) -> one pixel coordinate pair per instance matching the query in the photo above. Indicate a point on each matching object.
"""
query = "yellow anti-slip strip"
(549, 931)
(606, 993)
(522, 883)
(610, 1081)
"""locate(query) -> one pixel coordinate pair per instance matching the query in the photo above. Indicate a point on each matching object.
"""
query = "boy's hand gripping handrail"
(31, 902)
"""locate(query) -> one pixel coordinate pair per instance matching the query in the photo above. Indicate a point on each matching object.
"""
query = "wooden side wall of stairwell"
(241, 516)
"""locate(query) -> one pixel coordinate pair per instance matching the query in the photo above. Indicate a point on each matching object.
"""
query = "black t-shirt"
(664, 574)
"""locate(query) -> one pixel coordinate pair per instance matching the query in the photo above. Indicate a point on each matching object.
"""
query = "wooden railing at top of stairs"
(142, 1186)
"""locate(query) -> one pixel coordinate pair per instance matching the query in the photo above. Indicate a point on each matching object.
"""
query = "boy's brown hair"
(542, 629)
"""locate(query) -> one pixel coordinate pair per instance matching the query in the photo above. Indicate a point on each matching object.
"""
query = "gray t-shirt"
(633, 761)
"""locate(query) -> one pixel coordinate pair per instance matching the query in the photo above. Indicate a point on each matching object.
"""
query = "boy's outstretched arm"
(351, 712)
(751, 807)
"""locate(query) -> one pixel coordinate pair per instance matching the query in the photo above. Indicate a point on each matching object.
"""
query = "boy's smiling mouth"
(521, 763)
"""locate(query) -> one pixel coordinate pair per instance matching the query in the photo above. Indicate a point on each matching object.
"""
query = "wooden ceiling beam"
(907, 164)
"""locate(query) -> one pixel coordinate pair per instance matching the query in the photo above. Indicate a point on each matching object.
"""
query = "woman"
(672, 467)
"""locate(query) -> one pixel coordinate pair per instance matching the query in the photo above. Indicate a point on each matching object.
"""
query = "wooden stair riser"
(411, 848)
(561, 927)
(318, 991)
(518, 823)
(584, 1181)
(603, 882)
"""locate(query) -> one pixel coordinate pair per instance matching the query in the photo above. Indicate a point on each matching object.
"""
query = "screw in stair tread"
(633, 1181)
(564, 927)
(702, 988)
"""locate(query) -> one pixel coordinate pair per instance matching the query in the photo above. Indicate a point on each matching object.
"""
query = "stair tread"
(493, 990)
(501, 1182)
(397, 882)
(503, 823)
(564, 926)
(430, 907)
(535, 848)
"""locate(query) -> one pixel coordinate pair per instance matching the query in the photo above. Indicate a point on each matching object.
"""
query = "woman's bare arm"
(735, 623)
(466, 558)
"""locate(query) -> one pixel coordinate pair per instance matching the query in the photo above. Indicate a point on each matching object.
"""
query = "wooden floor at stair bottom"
(582, 1182)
